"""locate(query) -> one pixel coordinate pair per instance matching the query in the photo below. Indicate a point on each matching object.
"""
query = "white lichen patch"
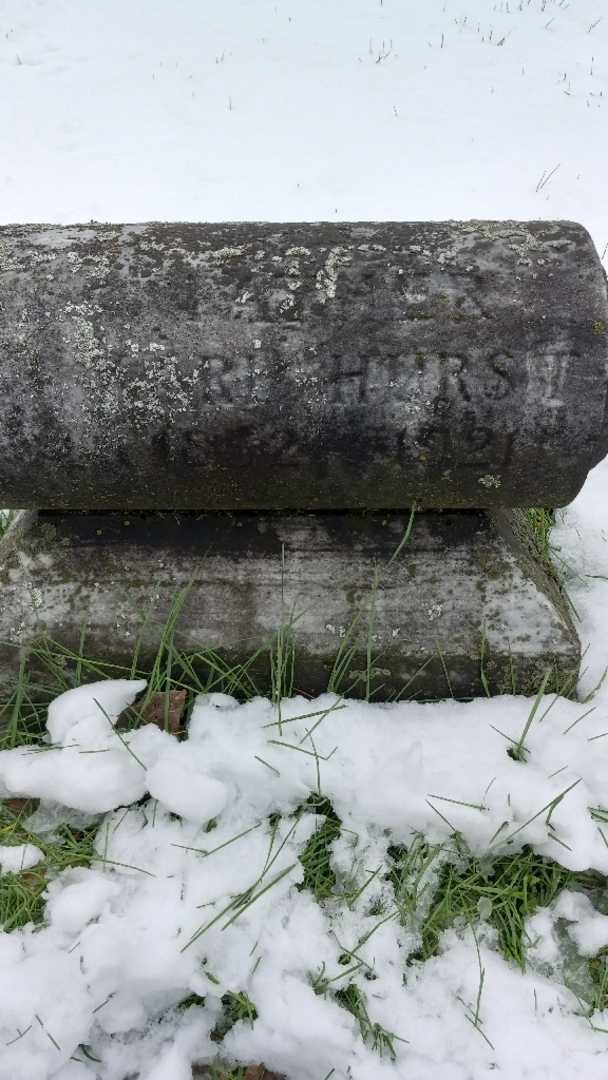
(85, 309)
(163, 390)
(490, 481)
(36, 596)
(327, 277)
(226, 252)
(85, 342)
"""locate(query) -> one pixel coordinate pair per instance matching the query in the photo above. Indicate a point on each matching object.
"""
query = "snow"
(78, 899)
(588, 929)
(85, 714)
(181, 782)
(448, 756)
(372, 109)
(18, 857)
(86, 765)
(581, 542)
(287, 110)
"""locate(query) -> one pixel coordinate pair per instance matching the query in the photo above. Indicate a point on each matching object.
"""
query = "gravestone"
(253, 410)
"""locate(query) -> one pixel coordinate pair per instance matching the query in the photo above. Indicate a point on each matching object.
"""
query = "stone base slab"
(464, 607)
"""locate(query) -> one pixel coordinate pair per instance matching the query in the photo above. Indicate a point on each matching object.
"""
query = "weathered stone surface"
(303, 365)
(462, 577)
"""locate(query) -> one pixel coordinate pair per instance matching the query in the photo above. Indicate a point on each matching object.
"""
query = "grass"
(541, 522)
(373, 1034)
(519, 751)
(504, 892)
(319, 874)
(6, 516)
(443, 886)
(597, 968)
(49, 668)
(22, 894)
(237, 1007)
(218, 1071)
(411, 872)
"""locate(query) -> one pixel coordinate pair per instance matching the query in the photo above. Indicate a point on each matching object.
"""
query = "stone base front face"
(463, 607)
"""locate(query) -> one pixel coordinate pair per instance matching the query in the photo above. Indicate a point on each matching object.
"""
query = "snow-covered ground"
(184, 109)
(130, 110)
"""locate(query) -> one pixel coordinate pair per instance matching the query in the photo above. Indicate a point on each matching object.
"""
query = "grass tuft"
(22, 893)
(541, 522)
(598, 971)
(412, 874)
(319, 875)
(373, 1034)
(6, 517)
(504, 892)
(237, 1007)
